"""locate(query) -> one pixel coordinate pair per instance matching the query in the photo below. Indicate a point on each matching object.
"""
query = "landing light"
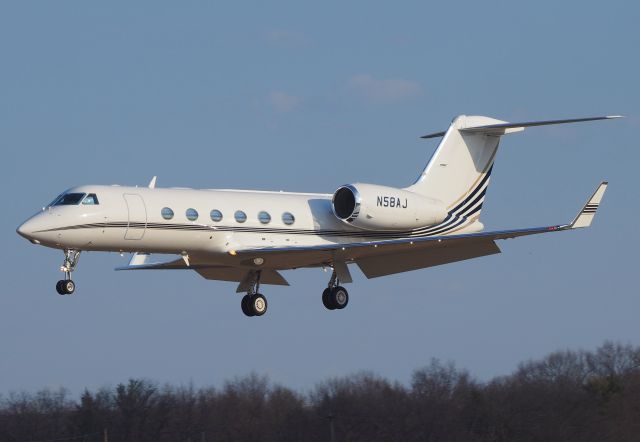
(258, 261)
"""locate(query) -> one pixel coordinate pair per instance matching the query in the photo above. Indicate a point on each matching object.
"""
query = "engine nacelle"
(373, 207)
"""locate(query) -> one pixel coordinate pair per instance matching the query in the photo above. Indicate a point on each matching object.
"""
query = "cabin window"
(240, 216)
(68, 199)
(264, 217)
(166, 213)
(192, 214)
(90, 200)
(216, 215)
(288, 218)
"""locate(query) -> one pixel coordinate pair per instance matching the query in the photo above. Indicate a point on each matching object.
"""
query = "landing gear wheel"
(65, 287)
(335, 298)
(245, 304)
(258, 304)
(339, 297)
(69, 286)
(59, 287)
(326, 299)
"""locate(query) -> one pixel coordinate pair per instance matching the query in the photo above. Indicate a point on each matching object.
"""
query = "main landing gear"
(66, 286)
(335, 297)
(253, 303)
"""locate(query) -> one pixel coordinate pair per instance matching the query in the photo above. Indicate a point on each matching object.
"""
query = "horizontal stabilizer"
(505, 128)
(434, 135)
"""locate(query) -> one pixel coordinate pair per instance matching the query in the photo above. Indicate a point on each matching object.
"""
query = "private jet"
(249, 237)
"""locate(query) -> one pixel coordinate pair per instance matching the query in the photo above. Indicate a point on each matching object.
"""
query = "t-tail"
(458, 173)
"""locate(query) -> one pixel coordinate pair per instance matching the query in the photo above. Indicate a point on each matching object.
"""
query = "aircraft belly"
(236, 274)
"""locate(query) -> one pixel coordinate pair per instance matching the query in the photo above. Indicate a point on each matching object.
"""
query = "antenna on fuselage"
(152, 183)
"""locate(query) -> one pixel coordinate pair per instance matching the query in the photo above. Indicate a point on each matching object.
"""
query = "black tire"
(326, 299)
(339, 297)
(59, 287)
(244, 304)
(258, 304)
(69, 286)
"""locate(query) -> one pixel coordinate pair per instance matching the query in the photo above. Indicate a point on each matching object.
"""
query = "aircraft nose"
(23, 230)
(26, 230)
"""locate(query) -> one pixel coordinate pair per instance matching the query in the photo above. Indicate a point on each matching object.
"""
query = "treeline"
(569, 395)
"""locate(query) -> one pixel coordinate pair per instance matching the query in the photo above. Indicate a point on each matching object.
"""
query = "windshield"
(68, 199)
(90, 200)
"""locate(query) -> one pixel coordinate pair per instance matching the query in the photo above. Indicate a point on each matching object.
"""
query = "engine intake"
(346, 201)
(373, 207)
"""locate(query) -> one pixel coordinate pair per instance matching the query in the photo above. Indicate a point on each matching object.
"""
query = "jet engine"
(373, 207)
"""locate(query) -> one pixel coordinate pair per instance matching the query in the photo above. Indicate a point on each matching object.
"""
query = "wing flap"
(375, 266)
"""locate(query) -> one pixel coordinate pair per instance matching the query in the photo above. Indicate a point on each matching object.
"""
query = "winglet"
(152, 183)
(588, 212)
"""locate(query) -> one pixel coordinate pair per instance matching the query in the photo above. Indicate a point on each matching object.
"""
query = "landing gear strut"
(66, 286)
(335, 297)
(253, 303)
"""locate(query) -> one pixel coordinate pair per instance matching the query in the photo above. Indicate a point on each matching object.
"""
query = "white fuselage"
(129, 219)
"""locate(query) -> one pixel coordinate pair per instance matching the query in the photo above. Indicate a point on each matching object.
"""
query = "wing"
(379, 258)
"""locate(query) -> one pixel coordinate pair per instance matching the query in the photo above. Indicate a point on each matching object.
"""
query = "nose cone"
(27, 230)
(23, 230)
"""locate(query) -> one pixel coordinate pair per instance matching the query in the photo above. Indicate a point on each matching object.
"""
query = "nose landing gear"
(66, 286)
(335, 297)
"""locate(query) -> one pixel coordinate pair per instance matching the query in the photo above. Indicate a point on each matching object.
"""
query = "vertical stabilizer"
(459, 170)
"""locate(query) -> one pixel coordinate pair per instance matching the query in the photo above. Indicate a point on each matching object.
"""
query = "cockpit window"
(90, 200)
(68, 199)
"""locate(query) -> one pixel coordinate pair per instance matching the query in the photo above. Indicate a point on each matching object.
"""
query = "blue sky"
(306, 97)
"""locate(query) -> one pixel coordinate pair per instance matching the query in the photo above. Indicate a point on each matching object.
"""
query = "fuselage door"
(137, 222)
